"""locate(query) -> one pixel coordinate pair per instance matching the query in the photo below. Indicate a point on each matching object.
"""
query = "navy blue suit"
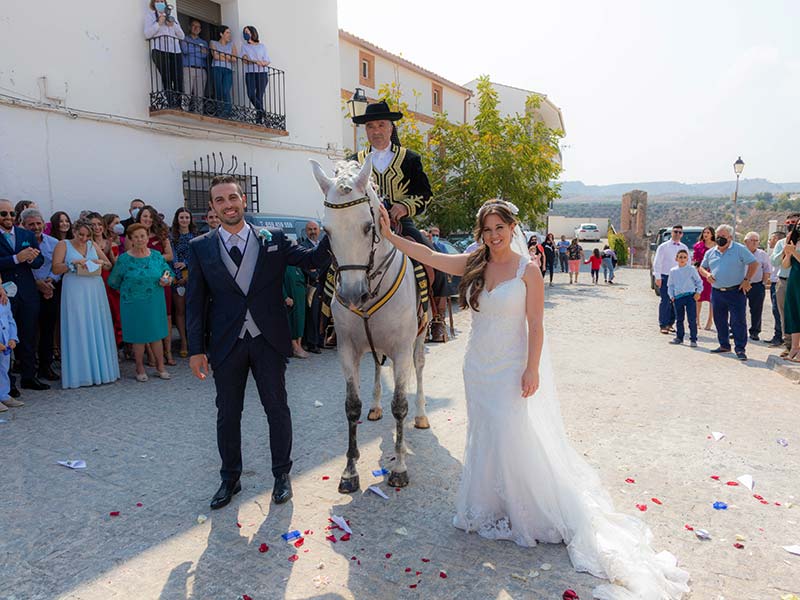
(215, 303)
(25, 305)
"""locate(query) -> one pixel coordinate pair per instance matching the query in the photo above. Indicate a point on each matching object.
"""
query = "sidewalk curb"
(784, 367)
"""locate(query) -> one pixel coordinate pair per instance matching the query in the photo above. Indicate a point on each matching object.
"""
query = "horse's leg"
(421, 419)
(402, 365)
(376, 412)
(349, 481)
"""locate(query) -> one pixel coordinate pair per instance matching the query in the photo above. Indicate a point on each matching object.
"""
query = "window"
(436, 93)
(366, 69)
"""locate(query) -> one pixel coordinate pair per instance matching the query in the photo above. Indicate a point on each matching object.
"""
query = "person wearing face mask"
(256, 73)
(49, 293)
(136, 205)
(165, 35)
(113, 230)
(729, 268)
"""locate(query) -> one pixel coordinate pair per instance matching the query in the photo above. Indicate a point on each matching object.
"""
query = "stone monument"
(633, 224)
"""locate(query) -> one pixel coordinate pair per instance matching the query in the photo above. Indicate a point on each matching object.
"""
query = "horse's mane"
(345, 171)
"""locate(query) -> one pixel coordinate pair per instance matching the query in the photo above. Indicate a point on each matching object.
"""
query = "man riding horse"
(402, 182)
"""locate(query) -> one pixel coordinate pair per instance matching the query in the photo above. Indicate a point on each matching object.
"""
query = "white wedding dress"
(522, 480)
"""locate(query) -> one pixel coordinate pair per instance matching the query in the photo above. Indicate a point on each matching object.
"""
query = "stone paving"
(633, 405)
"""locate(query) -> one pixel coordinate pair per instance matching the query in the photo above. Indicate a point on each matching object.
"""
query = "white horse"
(375, 308)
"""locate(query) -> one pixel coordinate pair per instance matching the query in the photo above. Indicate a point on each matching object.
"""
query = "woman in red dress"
(112, 250)
(707, 240)
(158, 240)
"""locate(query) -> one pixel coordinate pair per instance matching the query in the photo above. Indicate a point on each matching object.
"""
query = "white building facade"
(367, 66)
(77, 129)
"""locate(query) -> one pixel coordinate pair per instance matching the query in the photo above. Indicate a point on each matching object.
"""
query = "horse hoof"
(421, 422)
(375, 414)
(398, 480)
(349, 485)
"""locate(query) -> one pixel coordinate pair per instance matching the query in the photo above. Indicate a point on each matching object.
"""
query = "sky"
(650, 91)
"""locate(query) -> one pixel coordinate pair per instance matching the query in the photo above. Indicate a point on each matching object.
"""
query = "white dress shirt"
(764, 266)
(665, 257)
(381, 159)
(240, 240)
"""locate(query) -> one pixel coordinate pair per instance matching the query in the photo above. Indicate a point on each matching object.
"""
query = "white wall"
(99, 61)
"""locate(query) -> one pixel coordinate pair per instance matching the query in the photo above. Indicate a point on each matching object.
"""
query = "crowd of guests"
(569, 255)
(77, 297)
(184, 64)
(733, 278)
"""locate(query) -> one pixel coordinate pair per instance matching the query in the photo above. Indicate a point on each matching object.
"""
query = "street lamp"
(738, 167)
(357, 105)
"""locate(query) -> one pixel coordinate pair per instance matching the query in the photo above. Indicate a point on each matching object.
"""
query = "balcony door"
(207, 12)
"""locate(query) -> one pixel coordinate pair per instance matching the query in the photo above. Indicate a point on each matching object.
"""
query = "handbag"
(83, 271)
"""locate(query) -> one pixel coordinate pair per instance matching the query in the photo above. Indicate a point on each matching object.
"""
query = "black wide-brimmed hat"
(378, 111)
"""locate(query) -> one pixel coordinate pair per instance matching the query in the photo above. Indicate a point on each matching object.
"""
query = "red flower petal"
(763, 502)
(413, 585)
(715, 477)
(263, 548)
(738, 545)
(408, 569)
(139, 504)
(732, 483)
(570, 595)
(442, 575)
(397, 489)
(757, 497)
(642, 507)
(325, 478)
(358, 562)
(352, 558)
(689, 527)
(306, 550)
(293, 558)
(388, 555)
(419, 572)
(425, 559)
(308, 532)
(359, 422)
(345, 538)
(113, 513)
(629, 480)
(777, 504)
(246, 597)
(656, 500)
(331, 538)
(299, 542)
(239, 525)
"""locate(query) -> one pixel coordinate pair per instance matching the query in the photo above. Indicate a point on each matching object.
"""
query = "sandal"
(169, 360)
(142, 377)
(183, 353)
(164, 375)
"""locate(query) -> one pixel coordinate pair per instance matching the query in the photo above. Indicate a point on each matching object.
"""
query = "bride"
(522, 480)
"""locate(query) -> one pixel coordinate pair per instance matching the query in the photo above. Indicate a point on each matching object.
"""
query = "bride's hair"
(473, 281)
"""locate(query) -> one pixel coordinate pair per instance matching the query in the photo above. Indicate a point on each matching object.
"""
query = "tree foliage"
(515, 158)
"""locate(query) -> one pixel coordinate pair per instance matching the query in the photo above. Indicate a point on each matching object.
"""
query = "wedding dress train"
(522, 480)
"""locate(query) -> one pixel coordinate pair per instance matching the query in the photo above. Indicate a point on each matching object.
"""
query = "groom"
(237, 272)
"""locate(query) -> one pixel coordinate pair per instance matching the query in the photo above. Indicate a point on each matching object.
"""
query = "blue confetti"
(720, 506)
(380, 472)
(292, 535)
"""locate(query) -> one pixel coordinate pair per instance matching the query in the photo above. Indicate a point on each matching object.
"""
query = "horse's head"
(351, 224)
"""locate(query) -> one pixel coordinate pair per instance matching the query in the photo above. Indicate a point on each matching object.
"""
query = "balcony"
(215, 87)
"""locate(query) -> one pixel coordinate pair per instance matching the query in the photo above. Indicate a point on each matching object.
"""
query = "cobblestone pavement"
(635, 406)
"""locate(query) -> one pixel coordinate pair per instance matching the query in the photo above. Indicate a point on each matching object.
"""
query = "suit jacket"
(21, 274)
(404, 181)
(209, 279)
(315, 276)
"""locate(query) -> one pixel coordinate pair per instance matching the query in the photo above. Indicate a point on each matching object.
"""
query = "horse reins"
(371, 273)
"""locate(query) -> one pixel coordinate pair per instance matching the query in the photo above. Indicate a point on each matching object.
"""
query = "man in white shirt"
(663, 261)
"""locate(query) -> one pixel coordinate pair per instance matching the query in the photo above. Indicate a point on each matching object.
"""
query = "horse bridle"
(371, 272)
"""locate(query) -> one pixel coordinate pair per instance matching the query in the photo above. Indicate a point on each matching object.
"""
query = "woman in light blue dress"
(88, 347)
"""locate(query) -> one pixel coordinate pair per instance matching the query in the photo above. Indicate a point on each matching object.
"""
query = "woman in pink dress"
(707, 240)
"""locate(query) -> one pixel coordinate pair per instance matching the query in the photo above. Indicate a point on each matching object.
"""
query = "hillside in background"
(577, 190)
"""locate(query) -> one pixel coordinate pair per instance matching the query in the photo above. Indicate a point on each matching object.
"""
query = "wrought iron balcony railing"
(191, 77)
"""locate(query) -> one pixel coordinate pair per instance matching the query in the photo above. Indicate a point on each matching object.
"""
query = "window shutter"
(205, 10)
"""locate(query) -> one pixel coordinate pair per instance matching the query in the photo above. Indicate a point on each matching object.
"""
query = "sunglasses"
(8, 213)
(678, 231)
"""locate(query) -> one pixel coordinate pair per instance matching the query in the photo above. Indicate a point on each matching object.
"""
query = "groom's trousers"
(230, 377)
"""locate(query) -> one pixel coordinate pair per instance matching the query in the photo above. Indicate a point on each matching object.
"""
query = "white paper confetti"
(341, 523)
(73, 464)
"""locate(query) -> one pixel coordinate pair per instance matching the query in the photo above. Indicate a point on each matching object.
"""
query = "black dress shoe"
(720, 350)
(314, 349)
(225, 493)
(282, 490)
(741, 356)
(33, 384)
(755, 337)
(49, 375)
(14, 392)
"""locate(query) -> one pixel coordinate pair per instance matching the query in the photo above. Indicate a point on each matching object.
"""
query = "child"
(684, 287)
(596, 261)
(8, 341)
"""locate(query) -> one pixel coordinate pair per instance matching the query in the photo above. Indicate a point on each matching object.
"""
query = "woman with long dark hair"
(550, 253)
(61, 226)
(514, 419)
(223, 51)
(182, 232)
(707, 241)
(256, 73)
